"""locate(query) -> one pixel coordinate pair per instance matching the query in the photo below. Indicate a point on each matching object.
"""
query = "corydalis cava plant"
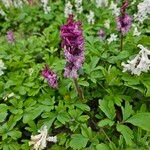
(141, 63)
(124, 21)
(73, 45)
(50, 76)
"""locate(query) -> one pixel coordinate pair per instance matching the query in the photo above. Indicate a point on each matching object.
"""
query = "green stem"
(78, 89)
(121, 42)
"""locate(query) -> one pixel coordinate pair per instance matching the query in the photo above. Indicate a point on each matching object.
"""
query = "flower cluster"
(68, 9)
(50, 76)
(101, 3)
(143, 11)
(90, 17)
(107, 24)
(10, 36)
(2, 67)
(78, 6)
(39, 141)
(101, 34)
(141, 63)
(124, 21)
(72, 42)
(114, 8)
(46, 8)
(112, 38)
(7, 3)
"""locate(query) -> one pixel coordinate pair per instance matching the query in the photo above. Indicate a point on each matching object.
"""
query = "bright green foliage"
(115, 112)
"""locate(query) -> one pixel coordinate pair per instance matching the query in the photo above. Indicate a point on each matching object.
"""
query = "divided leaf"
(141, 120)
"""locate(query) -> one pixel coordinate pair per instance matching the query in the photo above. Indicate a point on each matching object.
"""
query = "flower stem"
(121, 41)
(78, 89)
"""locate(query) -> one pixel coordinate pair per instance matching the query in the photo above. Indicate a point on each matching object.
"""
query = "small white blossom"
(39, 141)
(31, 70)
(141, 63)
(68, 9)
(8, 96)
(90, 17)
(2, 12)
(7, 3)
(107, 24)
(18, 4)
(112, 38)
(143, 11)
(101, 3)
(114, 8)
(2, 67)
(46, 8)
(52, 139)
(136, 32)
(78, 6)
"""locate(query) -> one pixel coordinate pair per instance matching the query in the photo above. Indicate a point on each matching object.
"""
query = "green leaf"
(147, 85)
(126, 132)
(141, 120)
(78, 141)
(14, 134)
(105, 122)
(63, 118)
(83, 83)
(102, 146)
(107, 106)
(83, 107)
(3, 112)
(32, 114)
(127, 111)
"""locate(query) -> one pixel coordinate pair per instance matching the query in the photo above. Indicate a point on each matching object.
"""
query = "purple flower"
(124, 21)
(10, 36)
(101, 34)
(73, 44)
(50, 76)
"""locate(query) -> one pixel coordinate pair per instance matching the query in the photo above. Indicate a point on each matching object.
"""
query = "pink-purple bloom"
(124, 21)
(73, 44)
(50, 76)
(10, 36)
(101, 33)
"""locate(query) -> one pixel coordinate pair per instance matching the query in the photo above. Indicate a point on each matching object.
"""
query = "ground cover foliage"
(114, 112)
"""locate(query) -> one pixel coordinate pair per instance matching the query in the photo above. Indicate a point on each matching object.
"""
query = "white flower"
(141, 63)
(78, 6)
(2, 12)
(114, 8)
(143, 11)
(136, 32)
(39, 141)
(112, 38)
(90, 17)
(31, 70)
(101, 3)
(68, 9)
(18, 4)
(46, 8)
(107, 24)
(8, 96)
(7, 3)
(2, 67)
(52, 139)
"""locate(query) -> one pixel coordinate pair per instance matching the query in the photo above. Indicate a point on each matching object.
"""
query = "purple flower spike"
(10, 37)
(101, 34)
(50, 76)
(73, 44)
(124, 21)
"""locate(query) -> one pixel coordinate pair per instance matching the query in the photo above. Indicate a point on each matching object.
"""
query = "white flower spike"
(141, 63)
(39, 141)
